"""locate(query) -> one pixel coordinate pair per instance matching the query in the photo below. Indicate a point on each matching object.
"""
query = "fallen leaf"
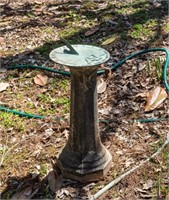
(141, 191)
(48, 132)
(128, 162)
(58, 140)
(148, 185)
(41, 79)
(3, 86)
(54, 180)
(142, 95)
(109, 40)
(24, 193)
(147, 196)
(65, 134)
(92, 31)
(38, 2)
(40, 91)
(66, 192)
(105, 111)
(116, 111)
(5, 23)
(119, 152)
(108, 71)
(155, 98)
(101, 87)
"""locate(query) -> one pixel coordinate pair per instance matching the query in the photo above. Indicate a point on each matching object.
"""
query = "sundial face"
(87, 56)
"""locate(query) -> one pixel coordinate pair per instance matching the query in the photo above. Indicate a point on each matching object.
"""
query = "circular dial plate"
(87, 56)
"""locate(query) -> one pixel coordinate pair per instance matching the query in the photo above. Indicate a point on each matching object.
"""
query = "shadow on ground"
(48, 187)
(60, 15)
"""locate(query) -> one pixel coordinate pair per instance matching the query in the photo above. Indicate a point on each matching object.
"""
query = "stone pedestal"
(84, 158)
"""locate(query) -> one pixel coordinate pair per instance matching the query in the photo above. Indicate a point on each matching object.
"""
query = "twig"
(118, 179)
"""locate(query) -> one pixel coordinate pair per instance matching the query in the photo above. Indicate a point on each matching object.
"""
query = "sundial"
(84, 158)
(84, 55)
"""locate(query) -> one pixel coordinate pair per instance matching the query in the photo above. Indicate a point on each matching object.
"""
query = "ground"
(29, 147)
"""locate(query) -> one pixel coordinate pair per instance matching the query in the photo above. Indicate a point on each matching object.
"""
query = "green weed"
(30, 14)
(74, 16)
(148, 67)
(43, 169)
(8, 120)
(139, 31)
(44, 98)
(90, 4)
(48, 30)
(158, 68)
(159, 187)
(64, 102)
(157, 64)
(165, 27)
(46, 112)
(30, 105)
(64, 84)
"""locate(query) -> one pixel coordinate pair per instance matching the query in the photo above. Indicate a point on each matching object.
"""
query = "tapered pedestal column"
(84, 158)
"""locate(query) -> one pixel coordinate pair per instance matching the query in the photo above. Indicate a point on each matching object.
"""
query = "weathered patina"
(84, 158)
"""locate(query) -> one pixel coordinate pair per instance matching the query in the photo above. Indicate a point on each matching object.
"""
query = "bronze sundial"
(84, 157)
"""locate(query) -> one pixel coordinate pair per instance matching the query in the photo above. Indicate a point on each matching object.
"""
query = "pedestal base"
(89, 168)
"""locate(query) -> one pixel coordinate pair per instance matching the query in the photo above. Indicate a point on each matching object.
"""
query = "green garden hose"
(164, 77)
